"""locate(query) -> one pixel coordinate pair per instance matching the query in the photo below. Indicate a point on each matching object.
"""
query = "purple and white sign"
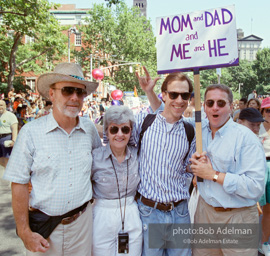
(198, 40)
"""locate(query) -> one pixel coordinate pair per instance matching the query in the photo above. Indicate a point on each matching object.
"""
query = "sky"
(251, 16)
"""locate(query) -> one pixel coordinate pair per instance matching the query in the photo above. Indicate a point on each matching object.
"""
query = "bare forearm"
(14, 130)
(20, 204)
(153, 100)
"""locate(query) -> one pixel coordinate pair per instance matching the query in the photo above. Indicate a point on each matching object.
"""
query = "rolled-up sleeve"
(248, 180)
(19, 165)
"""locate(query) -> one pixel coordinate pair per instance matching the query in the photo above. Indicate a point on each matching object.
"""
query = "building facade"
(142, 5)
(248, 46)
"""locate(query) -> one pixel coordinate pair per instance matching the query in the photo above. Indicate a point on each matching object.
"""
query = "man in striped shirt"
(163, 190)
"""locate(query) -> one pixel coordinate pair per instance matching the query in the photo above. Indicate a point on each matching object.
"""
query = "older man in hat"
(251, 118)
(54, 153)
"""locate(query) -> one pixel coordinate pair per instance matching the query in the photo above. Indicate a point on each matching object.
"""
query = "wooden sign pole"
(198, 122)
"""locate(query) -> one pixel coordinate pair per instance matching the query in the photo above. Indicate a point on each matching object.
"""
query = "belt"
(4, 135)
(268, 158)
(67, 220)
(160, 206)
(221, 209)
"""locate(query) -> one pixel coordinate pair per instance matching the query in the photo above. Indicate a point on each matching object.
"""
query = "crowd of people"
(105, 197)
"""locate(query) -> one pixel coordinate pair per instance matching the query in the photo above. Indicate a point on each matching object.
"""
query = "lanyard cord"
(122, 219)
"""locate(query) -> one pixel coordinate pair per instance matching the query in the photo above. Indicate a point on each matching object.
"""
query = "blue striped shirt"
(162, 164)
(57, 163)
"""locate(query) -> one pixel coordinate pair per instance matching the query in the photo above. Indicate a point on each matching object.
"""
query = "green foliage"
(122, 34)
(18, 85)
(262, 66)
(111, 2)
(29, 18)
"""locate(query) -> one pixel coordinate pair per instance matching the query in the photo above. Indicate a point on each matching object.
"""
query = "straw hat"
(64, 72)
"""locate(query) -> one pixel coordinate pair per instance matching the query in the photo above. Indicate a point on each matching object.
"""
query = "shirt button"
(68, 202)
(70, 168)
(69, 152)
(70, 185)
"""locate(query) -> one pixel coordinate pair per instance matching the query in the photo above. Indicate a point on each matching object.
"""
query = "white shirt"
(57, 163)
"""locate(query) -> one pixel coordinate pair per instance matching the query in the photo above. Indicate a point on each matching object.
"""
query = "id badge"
(123, 246)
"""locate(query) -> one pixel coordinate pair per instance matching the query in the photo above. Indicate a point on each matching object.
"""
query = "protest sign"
(196, 41)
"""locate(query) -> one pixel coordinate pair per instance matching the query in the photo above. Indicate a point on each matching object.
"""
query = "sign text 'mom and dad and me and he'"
(199, 40)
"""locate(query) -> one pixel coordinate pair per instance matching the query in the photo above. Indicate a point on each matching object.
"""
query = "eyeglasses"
(175, 95)
(68, 91)
(220, 103)
(125, 129)
(267, 110)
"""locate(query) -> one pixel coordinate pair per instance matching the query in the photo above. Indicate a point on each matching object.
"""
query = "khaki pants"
(206, 214)
(72, 239)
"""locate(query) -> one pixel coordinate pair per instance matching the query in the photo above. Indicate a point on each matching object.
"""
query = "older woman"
(264, 135)
(117, 227)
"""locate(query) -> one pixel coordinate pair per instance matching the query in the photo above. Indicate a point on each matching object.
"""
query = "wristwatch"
(216, 176)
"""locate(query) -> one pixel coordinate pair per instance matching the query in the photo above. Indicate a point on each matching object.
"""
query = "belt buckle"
(171, 206)
(66, 219)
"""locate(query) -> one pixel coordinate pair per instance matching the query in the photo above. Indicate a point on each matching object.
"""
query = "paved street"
(10, 244)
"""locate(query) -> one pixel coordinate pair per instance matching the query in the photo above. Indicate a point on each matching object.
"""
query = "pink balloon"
(117, 94)
(97, 74)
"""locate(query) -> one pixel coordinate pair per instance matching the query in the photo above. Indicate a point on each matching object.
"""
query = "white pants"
(107, 224)
(73, 239)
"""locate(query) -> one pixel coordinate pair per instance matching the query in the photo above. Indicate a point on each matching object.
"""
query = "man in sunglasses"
(163, 158)
(233, 179)
(54, 154)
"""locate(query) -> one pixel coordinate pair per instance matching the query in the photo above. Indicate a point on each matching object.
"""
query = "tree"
(242, 74)
(111, 2)
(262, 66)
(27, 18)
(115, 34)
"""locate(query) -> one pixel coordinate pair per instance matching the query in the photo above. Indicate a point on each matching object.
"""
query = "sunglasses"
(267, 110)
(68, 91)
(220, 103)
(125, 129)
(175, 95)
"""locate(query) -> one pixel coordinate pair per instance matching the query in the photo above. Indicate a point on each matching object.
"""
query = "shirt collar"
(108, 152)
(222, 130)
(52, 124)
(163, 119)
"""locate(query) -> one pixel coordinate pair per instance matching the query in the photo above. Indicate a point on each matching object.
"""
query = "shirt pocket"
(105, 186)
(133, 181)
(225, 164)
(46, 166)
(86, 162)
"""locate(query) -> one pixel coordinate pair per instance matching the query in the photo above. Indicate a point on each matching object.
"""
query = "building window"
(29, 40)
(251, 55)
(31, 82)
(78, 39)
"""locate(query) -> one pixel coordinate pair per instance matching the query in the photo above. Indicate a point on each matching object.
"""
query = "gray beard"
(67, 112)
